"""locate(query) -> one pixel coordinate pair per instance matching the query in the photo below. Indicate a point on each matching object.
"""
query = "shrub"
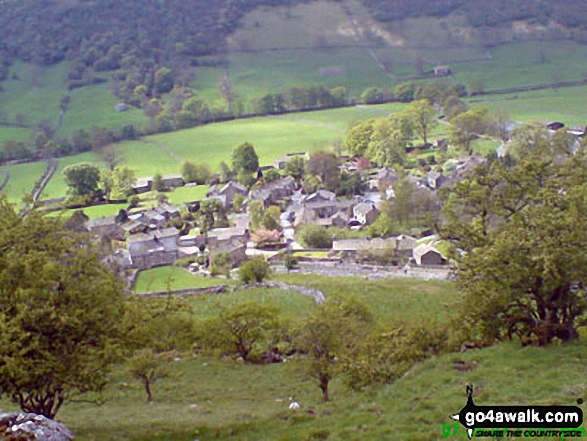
(221, 265)
(254, 271)
(314, 236)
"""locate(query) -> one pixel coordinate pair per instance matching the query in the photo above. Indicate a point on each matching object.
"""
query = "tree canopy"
(523, 264)
(60, 310)
(245, 159)
(82, 178)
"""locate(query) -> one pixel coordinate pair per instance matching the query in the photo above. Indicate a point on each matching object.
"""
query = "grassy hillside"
(271, 136)
(207, 398)
(19, 134)
(94, 106)
(34, 92)
(22, 179)
(567, 105)
(305, 25)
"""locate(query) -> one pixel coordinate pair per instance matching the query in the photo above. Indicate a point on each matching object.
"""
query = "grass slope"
(566, 105)
(34, 92)
(94, 106)
(304, 25)
(14, 134)
(207, 398)
(22, 179)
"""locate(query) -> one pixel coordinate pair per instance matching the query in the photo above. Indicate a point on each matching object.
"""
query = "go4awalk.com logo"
(516, 421)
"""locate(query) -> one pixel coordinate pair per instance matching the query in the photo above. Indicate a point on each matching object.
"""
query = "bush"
(271, 175)
(383, 357)
(254, 271)
(198, 173)
(186, 261)
(221, 265)
(314, 236)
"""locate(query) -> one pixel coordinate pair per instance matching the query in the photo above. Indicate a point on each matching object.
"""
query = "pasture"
(173, 278)
(22, 179)
(94, 106)
(34, 92)
(566, 105)
(19, 134)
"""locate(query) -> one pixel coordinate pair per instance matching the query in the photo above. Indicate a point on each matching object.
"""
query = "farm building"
(442, 71)
(426, 255)
(148, 250)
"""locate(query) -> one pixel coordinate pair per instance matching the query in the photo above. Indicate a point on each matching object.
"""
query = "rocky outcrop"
(29, 426)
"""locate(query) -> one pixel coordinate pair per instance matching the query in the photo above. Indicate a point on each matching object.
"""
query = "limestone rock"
(29, 426)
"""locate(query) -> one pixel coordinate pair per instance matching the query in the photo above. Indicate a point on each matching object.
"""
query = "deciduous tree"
(82, 178)
(60, 313)
(523, 265)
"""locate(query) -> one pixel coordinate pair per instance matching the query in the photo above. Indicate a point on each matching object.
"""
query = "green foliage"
(82, 178)
(163, 80)
(244, 158)
(351, 184)
(296, 167)
(412, 206)
(520, 228)
(289, 261)
(271, 175)
(384, 356)
(358, 137)
(242, 329)
(405, 92)
(147, 367)
(221, 265)
(423, 116)
(60, 313)
(238, 202)
(324, 165)
(332, 329)
(382, 227)
(254, 271)
(390, 137)
(257, 212)
(314, 236)
(158, 184)
(271, 218)
(373, 95)
(467, 126)
(123, 178)
(198, 173)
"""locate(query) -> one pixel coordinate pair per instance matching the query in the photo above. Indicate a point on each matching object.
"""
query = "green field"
(567, 105)
(94, 106)
(520, 64)
(22, 179)
(34, 92)
(14, 134)
(292, 305)
(100, 211)
(57, 187)
(157, 279)
(182, 195)
(304, 25)
(400, 300)
(148, 159)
